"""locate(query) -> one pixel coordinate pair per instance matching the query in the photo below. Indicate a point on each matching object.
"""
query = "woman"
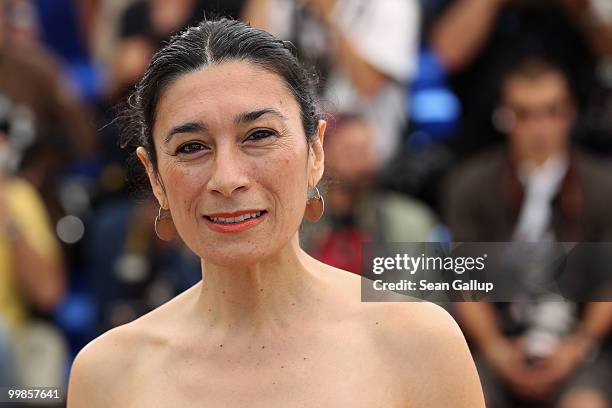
(227, 126)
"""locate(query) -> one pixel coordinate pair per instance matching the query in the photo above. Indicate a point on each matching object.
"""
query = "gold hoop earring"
(315, 205)
(164, 226)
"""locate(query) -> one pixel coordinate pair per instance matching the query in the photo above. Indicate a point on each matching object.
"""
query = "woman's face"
(229, 139)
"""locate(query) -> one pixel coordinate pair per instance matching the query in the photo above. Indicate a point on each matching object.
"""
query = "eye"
(190, 147)
(259, 134)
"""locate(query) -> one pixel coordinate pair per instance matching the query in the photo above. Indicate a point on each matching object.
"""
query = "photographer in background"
(365, 50)
(537, 189)
(357, 209)
(31, 265)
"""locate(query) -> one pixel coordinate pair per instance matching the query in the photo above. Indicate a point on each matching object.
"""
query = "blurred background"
(464, 120)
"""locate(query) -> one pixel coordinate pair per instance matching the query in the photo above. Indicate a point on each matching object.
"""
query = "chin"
(235, 255)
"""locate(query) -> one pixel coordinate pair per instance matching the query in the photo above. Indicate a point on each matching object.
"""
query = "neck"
(272, 292)
(538, 160)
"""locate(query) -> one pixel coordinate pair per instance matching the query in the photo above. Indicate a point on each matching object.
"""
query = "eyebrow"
(247, 117)
(189, 127)
(240, 119)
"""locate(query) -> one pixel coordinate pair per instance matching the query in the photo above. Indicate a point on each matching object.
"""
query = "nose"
(229, 172)
(538, 125)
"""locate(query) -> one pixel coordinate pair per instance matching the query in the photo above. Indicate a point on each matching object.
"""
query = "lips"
(233, 214)
(234, 222)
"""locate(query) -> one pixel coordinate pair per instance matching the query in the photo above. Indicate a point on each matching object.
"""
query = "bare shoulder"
(419, 341)
(97, 367)
(403, 317)
(421, 320)
(103, 370)
(426, 346)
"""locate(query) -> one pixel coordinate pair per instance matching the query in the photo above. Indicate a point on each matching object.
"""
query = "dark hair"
(532, 67)
(213, 42)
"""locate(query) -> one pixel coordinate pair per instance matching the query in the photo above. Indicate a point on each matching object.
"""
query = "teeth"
(235, 219)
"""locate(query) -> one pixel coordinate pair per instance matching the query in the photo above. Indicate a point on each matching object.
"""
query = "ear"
(503, 119)
(317, 156)
(156, 185)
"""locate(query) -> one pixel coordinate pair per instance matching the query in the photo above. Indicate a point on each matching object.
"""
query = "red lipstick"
(234, 227)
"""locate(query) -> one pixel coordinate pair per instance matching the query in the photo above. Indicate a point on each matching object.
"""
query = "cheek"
(564, 126)
(183, 187)
(284, 176)
(290, 178)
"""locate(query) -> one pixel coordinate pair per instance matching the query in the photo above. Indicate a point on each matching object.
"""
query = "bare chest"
(316, 378)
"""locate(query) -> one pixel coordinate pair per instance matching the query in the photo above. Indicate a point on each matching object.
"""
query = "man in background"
(538, 188)
(475, 40)
(357, 209)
